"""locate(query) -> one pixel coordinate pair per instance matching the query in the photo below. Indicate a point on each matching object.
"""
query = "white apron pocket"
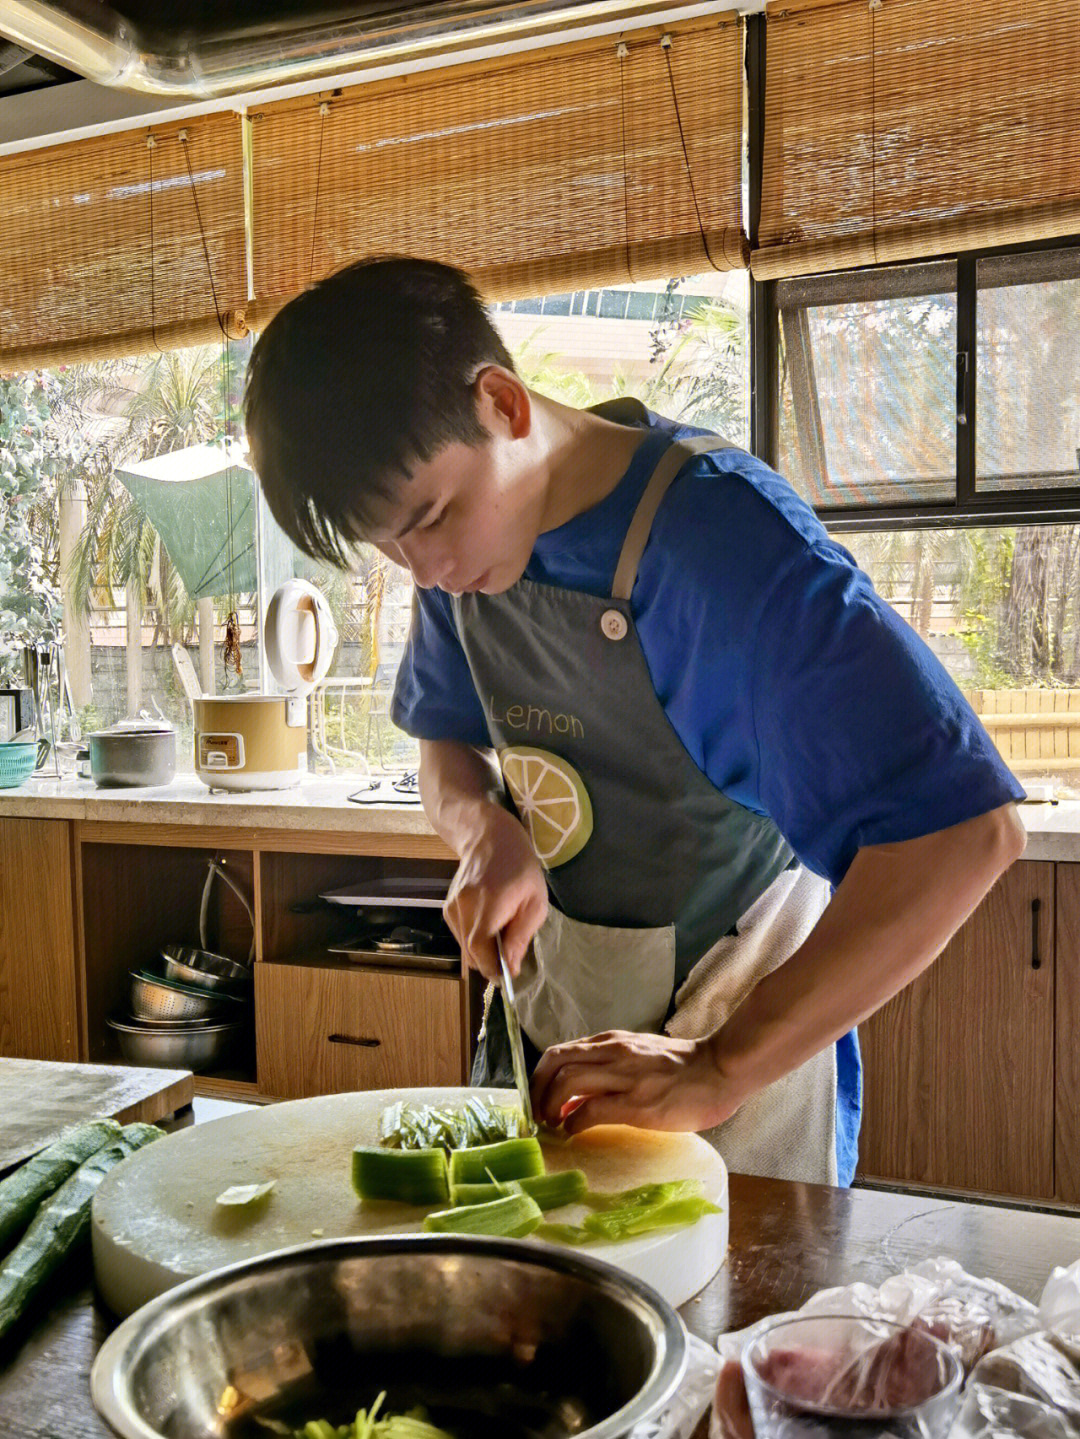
(579, 979)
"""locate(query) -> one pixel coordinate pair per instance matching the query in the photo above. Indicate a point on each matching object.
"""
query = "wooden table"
(787, 1242)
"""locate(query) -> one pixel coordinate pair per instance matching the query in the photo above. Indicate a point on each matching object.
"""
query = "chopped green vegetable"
(413, 1176)
(22, 1191)
(511, 1159)
(413, 1425)
(645, 1196)
(563, 1233)
(244, 1194)
(511, 1217)
(551, 1191)
(426, 1126)
(61, 1222)
(649, 1207)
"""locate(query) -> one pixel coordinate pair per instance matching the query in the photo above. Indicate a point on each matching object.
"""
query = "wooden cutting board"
(156, 1221)
(39, 1099)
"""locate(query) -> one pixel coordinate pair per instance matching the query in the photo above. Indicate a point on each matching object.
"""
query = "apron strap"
(637, 536)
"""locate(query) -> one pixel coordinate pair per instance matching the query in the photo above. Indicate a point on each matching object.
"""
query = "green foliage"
(32, 457)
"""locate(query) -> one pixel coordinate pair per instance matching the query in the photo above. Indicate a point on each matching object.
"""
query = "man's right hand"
(499, 888)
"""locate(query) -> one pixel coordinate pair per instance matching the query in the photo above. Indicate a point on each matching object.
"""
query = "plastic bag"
(684, 1413)
(1030, 1386)
(974, 1316)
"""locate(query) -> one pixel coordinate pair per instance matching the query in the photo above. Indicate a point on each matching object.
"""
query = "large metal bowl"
(498, 1339)
(195, 1049)
(188, 965)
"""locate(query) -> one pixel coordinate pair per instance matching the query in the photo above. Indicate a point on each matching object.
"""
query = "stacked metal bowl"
(187, 1011)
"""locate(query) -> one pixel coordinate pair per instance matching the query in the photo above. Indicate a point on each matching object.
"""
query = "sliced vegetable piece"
(511, 1217)
(22, 1191)
(564, 1234)
(61, 1222)
(412, 1176)
(645, 1196)
(244, 1194)
(551, 1191)
(423, 1126)
(643, 1219)
(510, 1159)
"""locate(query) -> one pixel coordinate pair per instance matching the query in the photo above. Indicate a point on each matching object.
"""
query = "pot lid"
(133, 727)
(300, 636)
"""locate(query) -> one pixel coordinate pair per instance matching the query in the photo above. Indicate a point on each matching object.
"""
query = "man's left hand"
(648, 1080)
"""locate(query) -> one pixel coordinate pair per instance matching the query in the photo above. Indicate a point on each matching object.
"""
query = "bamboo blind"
(900, 129)
(556, 170)
(80, 277)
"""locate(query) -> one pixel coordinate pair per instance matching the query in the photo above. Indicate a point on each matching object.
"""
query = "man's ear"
(503, 402)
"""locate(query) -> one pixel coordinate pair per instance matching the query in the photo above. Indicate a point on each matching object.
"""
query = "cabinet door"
(38, 1004)
(321, 1030)
(1067, 1061)
(959, 1068)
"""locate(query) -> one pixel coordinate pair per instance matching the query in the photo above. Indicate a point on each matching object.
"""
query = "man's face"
(467, 520)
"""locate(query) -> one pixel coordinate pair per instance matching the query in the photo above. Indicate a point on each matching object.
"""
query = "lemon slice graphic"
(552, 801)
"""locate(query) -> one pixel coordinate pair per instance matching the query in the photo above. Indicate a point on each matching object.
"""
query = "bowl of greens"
(408, 1337)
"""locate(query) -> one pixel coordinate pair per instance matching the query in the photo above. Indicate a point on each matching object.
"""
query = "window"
(143, 515)
(931, 413)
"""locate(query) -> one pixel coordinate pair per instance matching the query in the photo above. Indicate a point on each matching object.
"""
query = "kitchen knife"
(517, 1049)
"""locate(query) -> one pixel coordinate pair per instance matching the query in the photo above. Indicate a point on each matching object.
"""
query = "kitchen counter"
(322, 804)
(315, 804)
(787, 1242)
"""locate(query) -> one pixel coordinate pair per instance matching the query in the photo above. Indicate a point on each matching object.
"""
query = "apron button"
(613, 624)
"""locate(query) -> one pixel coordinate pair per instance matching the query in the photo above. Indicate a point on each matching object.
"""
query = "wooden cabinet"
(321, 1030)
(39, 996)
(959, 1067)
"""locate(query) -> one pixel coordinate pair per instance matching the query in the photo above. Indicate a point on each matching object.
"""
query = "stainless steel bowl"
(205, 970)
(164, 999)
(498, 1339)
(140, 1021)
(195, 1048)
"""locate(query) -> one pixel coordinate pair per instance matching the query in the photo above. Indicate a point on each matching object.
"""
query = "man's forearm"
(460, 787)
(891, 916)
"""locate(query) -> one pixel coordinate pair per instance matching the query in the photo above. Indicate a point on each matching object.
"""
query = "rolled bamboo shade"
(551, 171)
(901, 129)
(80, 278)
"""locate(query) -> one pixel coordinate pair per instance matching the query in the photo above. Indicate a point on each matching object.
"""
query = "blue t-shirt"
(795, 688)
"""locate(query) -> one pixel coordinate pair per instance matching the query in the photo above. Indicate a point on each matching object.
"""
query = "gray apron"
(650, 867)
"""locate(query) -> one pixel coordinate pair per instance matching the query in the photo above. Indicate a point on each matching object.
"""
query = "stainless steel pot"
(497, 1338)
(129, 755)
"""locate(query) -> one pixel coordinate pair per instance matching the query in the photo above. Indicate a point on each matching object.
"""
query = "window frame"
(1058, 504)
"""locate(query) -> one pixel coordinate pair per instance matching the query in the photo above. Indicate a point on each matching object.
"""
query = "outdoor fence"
(1036, 731)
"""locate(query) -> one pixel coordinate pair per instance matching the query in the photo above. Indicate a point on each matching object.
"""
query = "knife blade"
(517, 1049)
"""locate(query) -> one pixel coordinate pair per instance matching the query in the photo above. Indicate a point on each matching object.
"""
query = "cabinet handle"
(362, 1040)
(1036, 959)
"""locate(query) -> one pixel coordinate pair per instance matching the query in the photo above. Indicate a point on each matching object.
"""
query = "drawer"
(323, 1030)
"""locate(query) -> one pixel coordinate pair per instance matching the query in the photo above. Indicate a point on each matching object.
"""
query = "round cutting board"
(156, 1221)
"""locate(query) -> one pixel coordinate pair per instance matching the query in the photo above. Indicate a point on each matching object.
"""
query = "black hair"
(355, 380)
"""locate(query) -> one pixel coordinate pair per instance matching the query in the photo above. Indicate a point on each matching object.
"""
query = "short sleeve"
(862, 736)
(434, 695)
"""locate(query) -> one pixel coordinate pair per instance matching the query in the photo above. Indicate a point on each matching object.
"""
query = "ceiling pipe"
(95, 40)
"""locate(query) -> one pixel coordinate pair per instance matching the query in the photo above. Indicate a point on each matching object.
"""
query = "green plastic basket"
(17, 763)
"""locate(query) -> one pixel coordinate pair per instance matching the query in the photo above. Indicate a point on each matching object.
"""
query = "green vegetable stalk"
(22, 1191)
(61, 1223)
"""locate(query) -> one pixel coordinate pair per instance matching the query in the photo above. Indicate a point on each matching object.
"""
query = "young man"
(659, 713)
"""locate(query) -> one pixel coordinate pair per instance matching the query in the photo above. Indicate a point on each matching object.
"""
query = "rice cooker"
(260, 741)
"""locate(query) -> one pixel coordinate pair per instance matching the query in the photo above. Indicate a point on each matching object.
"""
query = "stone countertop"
(317, 804)
(322, 804)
